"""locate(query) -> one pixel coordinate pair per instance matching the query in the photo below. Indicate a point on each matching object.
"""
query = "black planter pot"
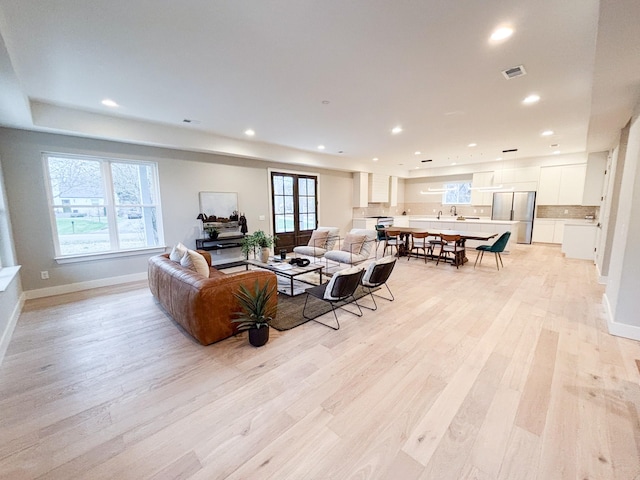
(259, 336)
(213, 235)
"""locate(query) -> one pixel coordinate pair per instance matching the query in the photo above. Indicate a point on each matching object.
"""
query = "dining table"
(405, 236)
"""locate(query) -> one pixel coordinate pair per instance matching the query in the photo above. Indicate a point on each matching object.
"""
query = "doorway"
(295, 207)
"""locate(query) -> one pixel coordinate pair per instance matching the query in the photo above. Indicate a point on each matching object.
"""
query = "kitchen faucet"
(439, 213)
(452, 210)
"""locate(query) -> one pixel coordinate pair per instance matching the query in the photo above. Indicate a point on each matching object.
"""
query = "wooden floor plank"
(469, 374)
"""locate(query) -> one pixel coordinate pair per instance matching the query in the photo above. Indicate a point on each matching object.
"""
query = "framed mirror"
(219, 204)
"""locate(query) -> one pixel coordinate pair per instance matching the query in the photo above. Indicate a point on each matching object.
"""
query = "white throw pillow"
(194, 261)
(178, 252)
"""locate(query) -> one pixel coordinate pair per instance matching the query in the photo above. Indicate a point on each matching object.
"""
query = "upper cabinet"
(478, 196)
(379, 188)
(360, 189)
(561, 185)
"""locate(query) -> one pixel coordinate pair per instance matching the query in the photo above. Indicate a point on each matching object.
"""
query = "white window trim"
(106, 255)
(109, 201)
(7, 274)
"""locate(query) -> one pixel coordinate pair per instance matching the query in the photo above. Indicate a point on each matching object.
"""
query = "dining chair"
(497, 248)
(337, 293)
(380, 236)
(420, 241)
(392, 239)
(376, 275)
(451, 245)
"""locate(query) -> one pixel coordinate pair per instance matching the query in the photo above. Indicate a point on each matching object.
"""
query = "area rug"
(290, 309)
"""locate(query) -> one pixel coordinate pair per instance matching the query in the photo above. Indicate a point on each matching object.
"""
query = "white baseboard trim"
(77, 287)
(619, 329)
(8, 332)
(602, 279)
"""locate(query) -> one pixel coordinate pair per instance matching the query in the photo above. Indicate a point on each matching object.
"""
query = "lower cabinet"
(548, 231)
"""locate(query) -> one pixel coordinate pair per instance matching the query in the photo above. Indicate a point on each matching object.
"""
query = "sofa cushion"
(196, 262)
(318, 238)
(341, 256)
(177, 252)
(353, 243)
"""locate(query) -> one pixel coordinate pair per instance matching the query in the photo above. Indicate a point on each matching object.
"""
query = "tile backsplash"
(566, 211)
(542, 211)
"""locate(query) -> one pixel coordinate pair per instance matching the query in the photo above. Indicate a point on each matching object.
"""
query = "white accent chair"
(357, 252)
(318, 249)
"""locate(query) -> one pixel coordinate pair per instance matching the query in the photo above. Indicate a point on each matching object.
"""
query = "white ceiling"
(269, 65)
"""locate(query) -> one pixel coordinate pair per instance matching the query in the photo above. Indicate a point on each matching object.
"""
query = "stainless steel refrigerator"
(518, 206)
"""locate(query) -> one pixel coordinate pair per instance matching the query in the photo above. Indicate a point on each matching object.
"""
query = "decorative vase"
(259, 336)
(264, 254)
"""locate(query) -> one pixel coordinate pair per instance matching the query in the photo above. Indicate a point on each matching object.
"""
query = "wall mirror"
(219, 204)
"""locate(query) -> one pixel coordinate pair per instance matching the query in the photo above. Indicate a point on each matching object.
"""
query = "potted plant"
(258, 240)
(212, 231)
(256, 312)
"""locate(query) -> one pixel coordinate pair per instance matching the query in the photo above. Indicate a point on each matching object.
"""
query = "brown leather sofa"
(204, 307)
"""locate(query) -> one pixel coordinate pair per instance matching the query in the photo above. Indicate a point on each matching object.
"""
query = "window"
(457, 193)
(101, 206)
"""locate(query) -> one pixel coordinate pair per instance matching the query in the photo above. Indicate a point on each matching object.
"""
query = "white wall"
(182, 175)
(623, 284)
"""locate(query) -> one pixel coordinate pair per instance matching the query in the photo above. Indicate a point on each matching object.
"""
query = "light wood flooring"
(469, 374)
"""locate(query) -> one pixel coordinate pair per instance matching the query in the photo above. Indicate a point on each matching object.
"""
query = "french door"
(295, 207)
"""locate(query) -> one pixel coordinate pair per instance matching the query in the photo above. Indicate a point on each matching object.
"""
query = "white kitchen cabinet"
(548, 186)
(580, 240)
(480, 180)
(543, 231)
(561, 185)
(572, 184)
(393, 191)
(558, 231)
(360, 189)
(548, 231)
(378, 188)
(401, 221)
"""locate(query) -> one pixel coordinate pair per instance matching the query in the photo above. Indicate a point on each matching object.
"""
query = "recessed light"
(417, 153)
(417, 168)
(454, 163)
(556, 152)
(249, 133)
(498, 159)
(320, 147)
(375, 159)
(472, 145)
(501, 33)
(107, 102)
(547, 133)
(531, 99)
(396, 130)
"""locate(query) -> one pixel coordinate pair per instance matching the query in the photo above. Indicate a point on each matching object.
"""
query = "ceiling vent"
(514, 72)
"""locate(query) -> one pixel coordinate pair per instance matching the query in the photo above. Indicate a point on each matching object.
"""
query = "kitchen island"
(470, 225)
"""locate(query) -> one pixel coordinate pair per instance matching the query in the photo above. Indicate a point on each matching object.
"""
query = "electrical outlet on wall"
(44, 275)
(566, 211)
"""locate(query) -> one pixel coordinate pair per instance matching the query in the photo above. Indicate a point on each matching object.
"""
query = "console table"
(230, 241)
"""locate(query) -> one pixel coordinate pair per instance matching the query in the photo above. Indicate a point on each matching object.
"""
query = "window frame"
(447, 186)
(110, 205)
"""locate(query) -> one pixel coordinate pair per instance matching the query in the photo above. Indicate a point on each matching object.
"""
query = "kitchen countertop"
(453, 219)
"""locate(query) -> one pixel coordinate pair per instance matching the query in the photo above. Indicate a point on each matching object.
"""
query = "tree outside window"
(101, 205)
(458, 193)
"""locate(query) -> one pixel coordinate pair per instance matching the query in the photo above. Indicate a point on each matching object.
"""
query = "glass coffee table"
(291, 275)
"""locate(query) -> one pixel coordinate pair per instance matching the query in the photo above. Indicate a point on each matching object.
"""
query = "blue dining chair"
(497, 248)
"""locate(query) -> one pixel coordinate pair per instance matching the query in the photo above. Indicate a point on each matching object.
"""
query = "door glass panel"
(288, 185)
(278, 185)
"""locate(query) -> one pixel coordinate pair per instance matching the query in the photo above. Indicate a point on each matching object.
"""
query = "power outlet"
(482, 210)
(566, 211)
(261, 217)
(44, 275)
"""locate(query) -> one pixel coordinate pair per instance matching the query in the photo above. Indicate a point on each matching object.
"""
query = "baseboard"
(619, 329)
(11, 325)
(602, 279)
(77, 287)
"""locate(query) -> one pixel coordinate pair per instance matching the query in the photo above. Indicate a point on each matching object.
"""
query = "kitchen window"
(102, 206)
(458, 193)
